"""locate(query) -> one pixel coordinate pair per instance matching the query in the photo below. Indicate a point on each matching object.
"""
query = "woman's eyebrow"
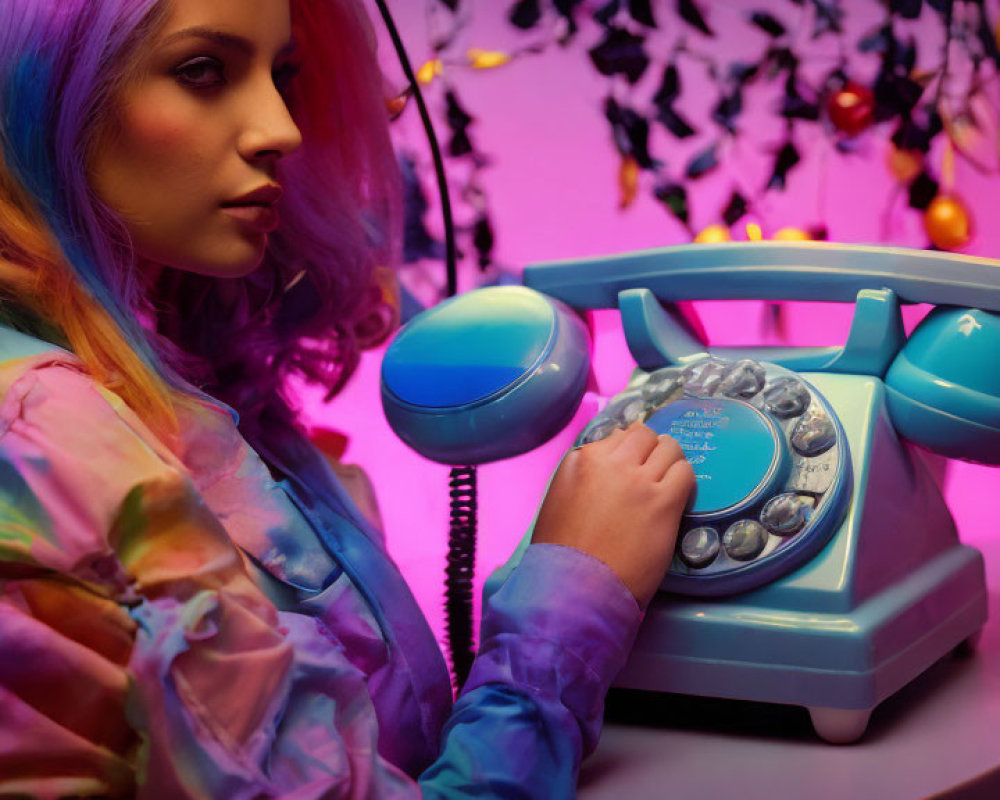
(212, 35)
(222, 38)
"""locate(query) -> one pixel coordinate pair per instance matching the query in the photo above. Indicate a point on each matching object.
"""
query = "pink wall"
(553, 195)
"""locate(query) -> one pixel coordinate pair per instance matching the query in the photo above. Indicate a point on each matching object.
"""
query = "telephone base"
(847, 663)
(892, 592)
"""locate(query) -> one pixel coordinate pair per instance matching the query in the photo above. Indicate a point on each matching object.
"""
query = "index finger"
(637, 443)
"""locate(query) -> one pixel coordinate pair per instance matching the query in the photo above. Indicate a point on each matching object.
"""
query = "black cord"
(450, 258)
(460, 568)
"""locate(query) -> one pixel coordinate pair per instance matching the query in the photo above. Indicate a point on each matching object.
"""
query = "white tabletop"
(937, 733)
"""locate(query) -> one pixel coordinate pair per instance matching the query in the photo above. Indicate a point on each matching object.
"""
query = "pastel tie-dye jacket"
(175, 623)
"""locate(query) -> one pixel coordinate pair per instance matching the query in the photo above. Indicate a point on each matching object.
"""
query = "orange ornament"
(905, 165)
(397, 105)
(947, 222)
(713, 234)
(628, 181)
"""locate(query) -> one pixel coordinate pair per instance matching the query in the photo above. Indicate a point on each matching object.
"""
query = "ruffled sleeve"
(139, 658)
(553, 638)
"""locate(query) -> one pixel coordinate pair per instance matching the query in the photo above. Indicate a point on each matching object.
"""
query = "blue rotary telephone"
(817, 563)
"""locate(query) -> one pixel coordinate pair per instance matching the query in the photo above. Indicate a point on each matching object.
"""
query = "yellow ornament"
(947, 222)
(792, 235)
(905, 165)
(754, 232)
(429, 71)
(713, 234)
(487, 59)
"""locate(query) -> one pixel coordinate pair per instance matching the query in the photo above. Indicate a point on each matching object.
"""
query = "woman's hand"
(620, 500)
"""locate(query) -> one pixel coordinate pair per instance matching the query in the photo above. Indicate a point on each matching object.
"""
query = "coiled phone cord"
(460, 568)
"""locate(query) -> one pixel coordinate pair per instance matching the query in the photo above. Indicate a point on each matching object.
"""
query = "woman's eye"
(201, 73)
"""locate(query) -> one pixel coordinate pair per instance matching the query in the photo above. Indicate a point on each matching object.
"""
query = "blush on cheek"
(156, 132)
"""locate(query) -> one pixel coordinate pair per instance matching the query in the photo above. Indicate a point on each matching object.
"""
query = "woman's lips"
(260, 218)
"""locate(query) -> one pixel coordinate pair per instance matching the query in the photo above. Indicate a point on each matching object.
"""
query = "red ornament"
(851, 108)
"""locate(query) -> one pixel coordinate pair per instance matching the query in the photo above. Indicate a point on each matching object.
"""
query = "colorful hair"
(67, 269)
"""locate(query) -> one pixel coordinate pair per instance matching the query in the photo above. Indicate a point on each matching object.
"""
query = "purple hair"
(321, 294)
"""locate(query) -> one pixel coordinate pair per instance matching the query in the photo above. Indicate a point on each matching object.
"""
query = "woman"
(197, 201)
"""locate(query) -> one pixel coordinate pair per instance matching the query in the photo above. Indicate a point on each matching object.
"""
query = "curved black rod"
(450, 258)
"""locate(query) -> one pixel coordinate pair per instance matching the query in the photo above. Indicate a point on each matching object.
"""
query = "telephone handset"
(943, 388)
(817, 564)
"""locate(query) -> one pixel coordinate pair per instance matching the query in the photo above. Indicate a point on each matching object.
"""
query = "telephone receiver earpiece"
(487, 375)
(943, 388)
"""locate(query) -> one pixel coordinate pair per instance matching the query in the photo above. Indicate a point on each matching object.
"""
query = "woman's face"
(188, 155)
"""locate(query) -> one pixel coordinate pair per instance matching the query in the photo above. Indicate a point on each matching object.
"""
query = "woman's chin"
(237, 263)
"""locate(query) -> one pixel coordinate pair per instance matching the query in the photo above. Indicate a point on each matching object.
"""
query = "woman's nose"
(270, 132)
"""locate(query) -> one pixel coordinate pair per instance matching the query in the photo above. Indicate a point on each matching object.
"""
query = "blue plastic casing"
(486, 375)
(943, 389)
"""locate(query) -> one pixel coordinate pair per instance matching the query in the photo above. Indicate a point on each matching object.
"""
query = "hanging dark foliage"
(729, 107)
(943, 7)
(674, 198)
(779, 60)
(907, 9)
(642, 12)
(526, 14)
(703, 162)
(669, 91)
(767, 23)
(620, 53)
(418, 243)
(735, 209)
(897, 95)
(740, 73)
(829, 16)
(788, 157)
(482, 240)
(631, 132)
(679, 127)
(688, 11)
(911, 134)
(629, 33)
(458, 123)
(606, 14)
(923, 189)
(567, 10)
(670, 87)
(794, 105)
